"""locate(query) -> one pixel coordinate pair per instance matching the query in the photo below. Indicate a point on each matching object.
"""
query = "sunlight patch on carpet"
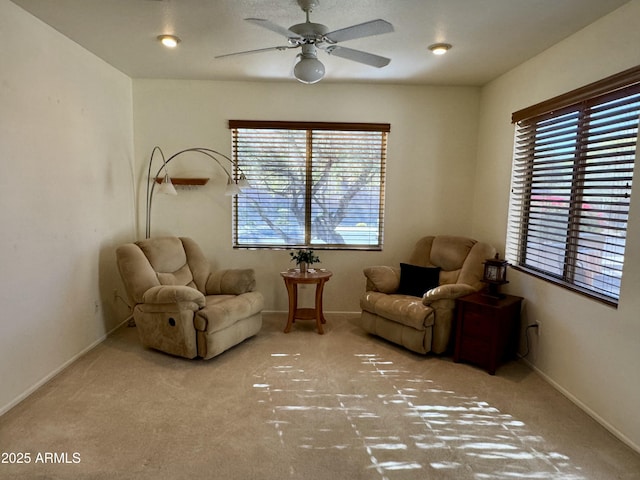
(396, 422)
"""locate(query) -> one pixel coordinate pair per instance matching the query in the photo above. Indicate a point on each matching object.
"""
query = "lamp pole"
(233, 187)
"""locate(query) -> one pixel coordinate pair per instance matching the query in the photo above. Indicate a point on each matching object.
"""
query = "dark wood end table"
(487, 329)
(292, 278)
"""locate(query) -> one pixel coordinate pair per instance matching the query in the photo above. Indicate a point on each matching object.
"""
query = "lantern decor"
(495, 274)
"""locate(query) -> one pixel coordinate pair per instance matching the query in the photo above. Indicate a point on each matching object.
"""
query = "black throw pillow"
(416, 280)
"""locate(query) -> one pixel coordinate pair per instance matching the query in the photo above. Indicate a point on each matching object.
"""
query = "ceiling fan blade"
(358, 56)
(285, 32)
(259, 50)
(366, 29)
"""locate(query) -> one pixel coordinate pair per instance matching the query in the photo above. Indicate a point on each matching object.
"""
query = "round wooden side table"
(292, 278)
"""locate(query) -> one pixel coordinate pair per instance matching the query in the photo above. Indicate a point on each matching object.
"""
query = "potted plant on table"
(304, 258)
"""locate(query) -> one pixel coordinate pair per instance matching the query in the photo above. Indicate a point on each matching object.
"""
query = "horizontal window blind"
(319, 185)
(570, 192)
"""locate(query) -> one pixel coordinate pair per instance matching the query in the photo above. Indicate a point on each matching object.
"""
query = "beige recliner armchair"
(181, 306)
(414, 305)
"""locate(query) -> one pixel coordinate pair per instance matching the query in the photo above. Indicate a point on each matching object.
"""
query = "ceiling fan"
(311, 36)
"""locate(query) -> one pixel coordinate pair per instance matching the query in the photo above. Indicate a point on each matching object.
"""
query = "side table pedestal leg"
(319, 312)
(292, 290)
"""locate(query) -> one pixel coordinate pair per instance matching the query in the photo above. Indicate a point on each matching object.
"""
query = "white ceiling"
(489, 37)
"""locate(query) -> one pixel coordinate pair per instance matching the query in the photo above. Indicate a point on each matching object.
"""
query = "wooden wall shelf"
(184, 180)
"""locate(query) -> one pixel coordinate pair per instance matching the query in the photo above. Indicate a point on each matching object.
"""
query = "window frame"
(309, 128)
(580, 102)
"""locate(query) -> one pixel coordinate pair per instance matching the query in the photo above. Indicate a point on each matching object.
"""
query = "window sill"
(609, 301)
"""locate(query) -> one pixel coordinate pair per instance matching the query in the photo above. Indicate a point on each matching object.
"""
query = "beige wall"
(65, 199)
(430, 174)
(589, 351)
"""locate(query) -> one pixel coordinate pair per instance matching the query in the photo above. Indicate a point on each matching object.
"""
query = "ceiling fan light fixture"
(169, 41)
(309, 69)
(440, 48)
(310, 36)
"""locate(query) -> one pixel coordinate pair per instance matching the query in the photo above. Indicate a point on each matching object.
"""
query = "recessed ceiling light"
(170, 41)
(439, 48)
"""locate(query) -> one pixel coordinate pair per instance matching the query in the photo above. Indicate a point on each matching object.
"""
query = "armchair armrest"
(233, 281)
(448, 292)
(382, 279)
(163, 294)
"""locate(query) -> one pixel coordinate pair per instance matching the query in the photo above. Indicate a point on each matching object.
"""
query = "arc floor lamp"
(233, 186)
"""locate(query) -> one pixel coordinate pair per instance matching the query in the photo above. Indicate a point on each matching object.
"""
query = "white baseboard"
(58, 370)
(614, 431)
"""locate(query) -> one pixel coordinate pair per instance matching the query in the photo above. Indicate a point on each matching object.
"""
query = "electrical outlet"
(538, 328)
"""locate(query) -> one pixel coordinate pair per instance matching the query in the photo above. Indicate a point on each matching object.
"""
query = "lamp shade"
(309, 70)
(166, 187)
(243, 183)
(231, 189)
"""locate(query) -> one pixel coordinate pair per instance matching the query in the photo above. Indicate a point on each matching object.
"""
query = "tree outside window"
(319, 184)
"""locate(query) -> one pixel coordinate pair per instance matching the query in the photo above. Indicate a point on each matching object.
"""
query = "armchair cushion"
(233, 281)
(382, 279)
(222, 311)
(181, 276)
(416, 280)
(173, 294)
(402, 309)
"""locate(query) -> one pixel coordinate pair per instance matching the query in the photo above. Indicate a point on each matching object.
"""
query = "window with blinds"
(315, 185)
(571, 185)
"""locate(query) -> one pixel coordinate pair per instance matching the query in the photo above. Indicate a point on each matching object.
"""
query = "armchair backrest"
(460, 258)
(161, 261)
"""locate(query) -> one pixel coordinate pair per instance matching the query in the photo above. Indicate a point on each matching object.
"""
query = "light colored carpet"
(344, 405)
